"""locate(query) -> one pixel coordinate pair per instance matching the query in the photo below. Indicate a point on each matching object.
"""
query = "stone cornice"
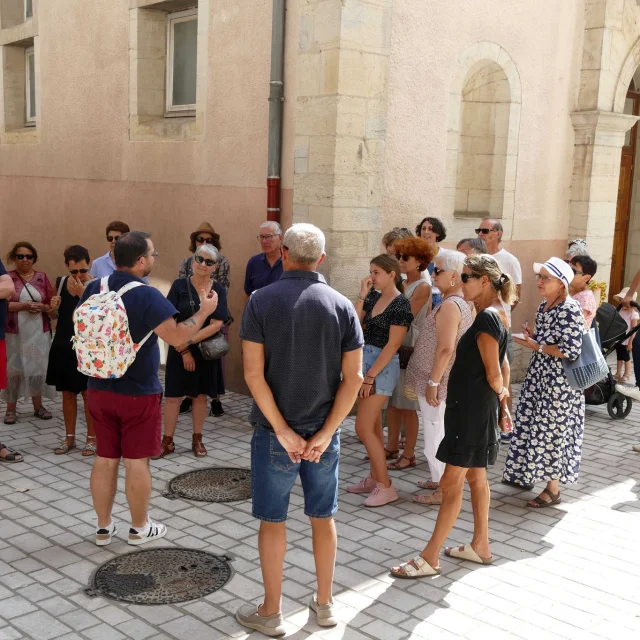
(601, 127)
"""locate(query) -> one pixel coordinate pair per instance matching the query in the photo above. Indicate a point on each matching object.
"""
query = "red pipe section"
(273, 199)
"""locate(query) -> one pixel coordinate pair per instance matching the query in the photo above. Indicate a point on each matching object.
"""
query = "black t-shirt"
(305, 327)
(3, 305)
(178, 296)
(376, 329)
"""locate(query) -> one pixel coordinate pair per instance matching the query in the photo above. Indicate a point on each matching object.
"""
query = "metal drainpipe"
(276, 100)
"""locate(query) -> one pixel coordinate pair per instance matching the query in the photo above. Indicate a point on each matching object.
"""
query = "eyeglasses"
(113, 238)
(271, 235)
(155, 254)
(75, 272)
(437, 272)
(465, 277)
(207, 261)
(202, 240)
(484, 231)
(403, 256)
(576, 272)
(544, 279)
(24, 256)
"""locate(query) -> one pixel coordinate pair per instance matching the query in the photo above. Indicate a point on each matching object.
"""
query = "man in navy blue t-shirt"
(127, 411)
(6, 291)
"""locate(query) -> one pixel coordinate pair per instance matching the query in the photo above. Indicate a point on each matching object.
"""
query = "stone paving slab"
(577, 563)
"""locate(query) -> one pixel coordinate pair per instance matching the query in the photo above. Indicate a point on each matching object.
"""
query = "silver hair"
(274, 225)
(577, 247)
(305, 243)
(208, 251)
(452, 261)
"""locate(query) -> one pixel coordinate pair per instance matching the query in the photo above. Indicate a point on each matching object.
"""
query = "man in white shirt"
(490, 230)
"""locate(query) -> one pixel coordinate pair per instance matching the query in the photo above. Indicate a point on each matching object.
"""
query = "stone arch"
(482, 137)
(627, 73)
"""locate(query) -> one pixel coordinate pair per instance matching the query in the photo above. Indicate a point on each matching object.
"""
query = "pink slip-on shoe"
(380, 496)
(367, 485)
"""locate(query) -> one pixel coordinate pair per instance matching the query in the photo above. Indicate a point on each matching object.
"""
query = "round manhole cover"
(161, 576)
(215, 484)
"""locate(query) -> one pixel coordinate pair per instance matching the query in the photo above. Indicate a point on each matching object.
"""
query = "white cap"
(557, 268)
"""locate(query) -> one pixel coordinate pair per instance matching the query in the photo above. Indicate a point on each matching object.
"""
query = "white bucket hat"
(624, 292)
(557, 268)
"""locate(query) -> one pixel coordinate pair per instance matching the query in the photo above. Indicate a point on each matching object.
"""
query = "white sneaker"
(636, 448)
(153, 531)
(630, 392)
(104, 535)
(325, 615)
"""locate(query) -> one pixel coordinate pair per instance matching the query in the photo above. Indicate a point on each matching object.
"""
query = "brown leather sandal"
(397, 466)
(197, 447)
(168, 446)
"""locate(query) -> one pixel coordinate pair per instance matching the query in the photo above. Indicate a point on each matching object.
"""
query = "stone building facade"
(394, 110)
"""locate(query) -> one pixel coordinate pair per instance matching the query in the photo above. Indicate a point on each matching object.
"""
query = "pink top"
(424, 355)
(629, 315)
(39, 282)
(588, 304)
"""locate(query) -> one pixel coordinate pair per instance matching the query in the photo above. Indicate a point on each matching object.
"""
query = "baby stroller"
(613, 331)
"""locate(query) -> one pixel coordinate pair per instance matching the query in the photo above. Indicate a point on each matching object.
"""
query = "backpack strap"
(129, 287)
(61, 285)
(104, 284)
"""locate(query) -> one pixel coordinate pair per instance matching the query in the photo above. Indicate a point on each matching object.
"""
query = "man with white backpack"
(117, 325)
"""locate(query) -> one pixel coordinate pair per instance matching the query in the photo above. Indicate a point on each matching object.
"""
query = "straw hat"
(205, 227)
(624, 292)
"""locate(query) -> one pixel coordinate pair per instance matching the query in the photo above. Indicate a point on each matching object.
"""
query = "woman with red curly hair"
(414, 255)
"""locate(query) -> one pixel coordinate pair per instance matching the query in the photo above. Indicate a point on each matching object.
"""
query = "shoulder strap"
(61, 284)
(128, 287)
(104, 284)
(192, 304)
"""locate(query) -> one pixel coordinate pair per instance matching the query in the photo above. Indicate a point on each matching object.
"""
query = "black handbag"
(216, 346)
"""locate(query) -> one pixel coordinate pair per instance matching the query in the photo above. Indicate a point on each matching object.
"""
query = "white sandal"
(466, 552)
(408, 570)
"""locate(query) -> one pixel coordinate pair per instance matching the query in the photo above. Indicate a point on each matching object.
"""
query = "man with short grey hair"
(266, 267)
(302, 353)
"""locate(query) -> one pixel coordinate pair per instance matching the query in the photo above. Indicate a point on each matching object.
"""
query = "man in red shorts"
(6, 291)
(127, 411)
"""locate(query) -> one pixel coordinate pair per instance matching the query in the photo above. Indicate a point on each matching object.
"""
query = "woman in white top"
(414, 255)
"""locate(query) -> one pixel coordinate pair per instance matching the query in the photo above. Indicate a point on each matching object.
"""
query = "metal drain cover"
(214, 484)
(160, 576)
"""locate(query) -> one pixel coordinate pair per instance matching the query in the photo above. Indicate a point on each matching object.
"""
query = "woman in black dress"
(62, 372)
(188, 373)
(476, 404)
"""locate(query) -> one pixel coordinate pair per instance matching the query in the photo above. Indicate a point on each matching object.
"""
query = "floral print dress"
(549, 421)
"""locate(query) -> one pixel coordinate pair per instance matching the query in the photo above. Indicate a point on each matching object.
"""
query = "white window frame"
(30, 121)
(172, 20)
(26, 15)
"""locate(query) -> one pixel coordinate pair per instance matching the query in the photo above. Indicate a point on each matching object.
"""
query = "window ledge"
(26, 135)
(184, 129)
(20, 33)
(479, 215)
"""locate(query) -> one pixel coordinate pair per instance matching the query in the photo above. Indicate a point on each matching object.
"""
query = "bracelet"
(369, 384)
(183, 352)
(361, 298)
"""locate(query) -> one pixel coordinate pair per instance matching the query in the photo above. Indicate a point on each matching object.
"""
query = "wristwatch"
(540, 348)
(431, 383)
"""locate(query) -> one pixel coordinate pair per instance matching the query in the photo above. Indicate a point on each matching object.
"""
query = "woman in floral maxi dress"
(549, 422)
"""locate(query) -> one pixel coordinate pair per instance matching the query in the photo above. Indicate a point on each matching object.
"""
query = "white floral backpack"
(102, 341)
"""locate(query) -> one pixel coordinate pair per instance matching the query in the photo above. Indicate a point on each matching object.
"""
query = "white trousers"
(433, 430)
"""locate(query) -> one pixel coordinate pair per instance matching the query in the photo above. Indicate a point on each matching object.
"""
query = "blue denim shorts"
(387, 379)
(273, 476)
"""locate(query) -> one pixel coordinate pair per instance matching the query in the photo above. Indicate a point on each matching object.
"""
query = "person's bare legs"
(394, 423)
(452, 486)
(69, 412)
(411, 428)
(366, 418)
(91, 432)
(104, 483)
(171, 413)
(325, 545)
(198, 413)
(480, 499)
(138, 490)
(272, 545)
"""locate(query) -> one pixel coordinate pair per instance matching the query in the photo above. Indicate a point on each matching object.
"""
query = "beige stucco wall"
(85, 171)
(544, 41)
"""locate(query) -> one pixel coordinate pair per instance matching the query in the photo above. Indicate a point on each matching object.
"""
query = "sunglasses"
(466, 276)
(437, 272)
(24, 256)
(484, 231)
(75, 272)
(403, 256)
(113, 238)
(207, 261)
(202, 240)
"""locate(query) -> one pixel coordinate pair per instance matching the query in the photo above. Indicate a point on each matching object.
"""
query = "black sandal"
(11, 457)
(539, 503)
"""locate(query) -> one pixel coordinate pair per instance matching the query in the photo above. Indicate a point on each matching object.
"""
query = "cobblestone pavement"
(568, 572)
